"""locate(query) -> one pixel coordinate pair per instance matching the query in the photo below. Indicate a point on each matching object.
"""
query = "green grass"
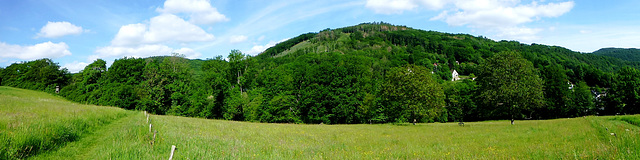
(32, 122)
(577, 138)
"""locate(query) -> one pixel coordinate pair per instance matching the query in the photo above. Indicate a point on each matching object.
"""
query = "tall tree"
(509, 86)
(582, 100)
(556, 92)
(1, 77)
(237, 67)
(412, 93)
(625, 93)
(460, 99)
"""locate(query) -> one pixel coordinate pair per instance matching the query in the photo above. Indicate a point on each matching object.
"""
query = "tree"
(556, 92)
(411, 93)
(582, 100)
(1, 73)
(460, 99)
(509, 86)
(625, 93)
(237, 67)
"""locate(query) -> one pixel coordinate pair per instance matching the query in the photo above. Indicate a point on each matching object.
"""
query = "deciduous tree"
(509, 86)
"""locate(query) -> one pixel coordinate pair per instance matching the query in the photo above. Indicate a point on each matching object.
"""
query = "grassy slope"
(32, 122)
(128, 138)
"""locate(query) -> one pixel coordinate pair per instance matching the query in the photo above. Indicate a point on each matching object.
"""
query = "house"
(455, 76)
(570, 85)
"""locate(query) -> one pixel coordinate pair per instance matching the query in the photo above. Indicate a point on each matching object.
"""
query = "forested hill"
(629, 54)
(402, 44)
(368, 73)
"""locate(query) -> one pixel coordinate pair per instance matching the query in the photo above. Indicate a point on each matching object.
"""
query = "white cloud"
(398, 6)
(75, 67)
(504, 18)
(200, 11)
(521, 33)
(40, 50)
(256, 49)
(190, 53)
(142, 51)
(59, 29)
(499, 13)
(161, 29)
(391, 6)
(154, 37)
(238, 39)
(131, 34)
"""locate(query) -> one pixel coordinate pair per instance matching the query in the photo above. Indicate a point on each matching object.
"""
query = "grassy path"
(125, 138)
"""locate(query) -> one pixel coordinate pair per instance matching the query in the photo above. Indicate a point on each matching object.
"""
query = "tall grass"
(577, 138)
(550, 139)
(32, 122)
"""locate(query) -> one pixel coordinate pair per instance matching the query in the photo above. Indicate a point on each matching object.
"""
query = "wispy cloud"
(277, 15)
(238, 38)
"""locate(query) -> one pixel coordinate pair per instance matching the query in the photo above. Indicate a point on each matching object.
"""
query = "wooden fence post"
(154, 138)
(150, 128)
(173, 148)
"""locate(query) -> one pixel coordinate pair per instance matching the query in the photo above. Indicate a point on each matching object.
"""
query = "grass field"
(126, 136)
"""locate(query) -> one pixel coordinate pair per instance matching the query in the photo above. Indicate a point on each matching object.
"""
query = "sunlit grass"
(32, 122)
(549, 139)
(129, 138)
(577, 138)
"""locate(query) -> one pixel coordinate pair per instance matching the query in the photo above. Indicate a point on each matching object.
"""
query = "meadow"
(125, 135)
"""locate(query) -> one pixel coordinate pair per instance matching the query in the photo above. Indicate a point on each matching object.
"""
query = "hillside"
(408, 45)
(127, 136)
(628, 54)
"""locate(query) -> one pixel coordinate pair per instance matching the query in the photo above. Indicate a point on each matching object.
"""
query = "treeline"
(369, 73)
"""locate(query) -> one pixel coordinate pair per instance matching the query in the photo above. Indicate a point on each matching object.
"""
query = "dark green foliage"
(509, 87)
(624, 96)
(556, 92)
(1, 77)
(582, 100)
(629, 54)
(411, 93)
(460, 101)
(42, 74)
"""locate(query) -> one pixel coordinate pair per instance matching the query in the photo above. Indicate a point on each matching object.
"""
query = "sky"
(74, 33)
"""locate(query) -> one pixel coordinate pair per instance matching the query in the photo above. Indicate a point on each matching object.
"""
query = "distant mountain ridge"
(628, 54)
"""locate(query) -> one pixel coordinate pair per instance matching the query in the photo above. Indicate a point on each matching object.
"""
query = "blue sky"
(76, 32)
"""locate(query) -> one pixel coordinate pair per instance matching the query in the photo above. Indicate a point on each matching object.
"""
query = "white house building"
(455, 76)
